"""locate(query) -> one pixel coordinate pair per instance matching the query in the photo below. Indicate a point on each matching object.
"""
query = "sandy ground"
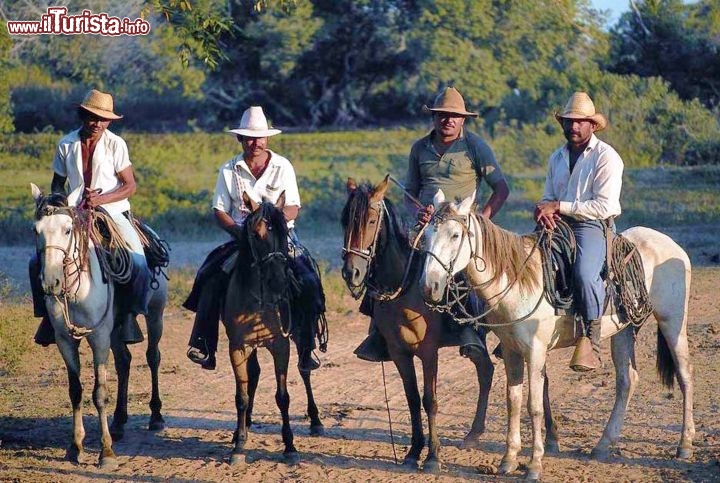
(359, 445)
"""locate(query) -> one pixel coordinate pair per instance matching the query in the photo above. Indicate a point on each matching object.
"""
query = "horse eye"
(68, 231)
(456, 236)
(373, 222)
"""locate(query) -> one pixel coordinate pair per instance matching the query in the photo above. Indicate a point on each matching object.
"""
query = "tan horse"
(376, 254)
(255, 314)
(81, 305)
(505, 270)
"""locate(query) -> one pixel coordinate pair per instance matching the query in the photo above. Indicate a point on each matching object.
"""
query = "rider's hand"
(547, 213)
(425, 214)
(235, 231)
(92, 198)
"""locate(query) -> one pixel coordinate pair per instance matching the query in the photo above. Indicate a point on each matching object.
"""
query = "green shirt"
(458, 172)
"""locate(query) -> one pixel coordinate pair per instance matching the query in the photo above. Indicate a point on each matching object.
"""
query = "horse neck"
(391, 257)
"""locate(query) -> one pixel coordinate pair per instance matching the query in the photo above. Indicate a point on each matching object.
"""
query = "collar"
(239, 162)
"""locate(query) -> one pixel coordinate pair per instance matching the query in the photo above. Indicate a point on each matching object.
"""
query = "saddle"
(623, 275)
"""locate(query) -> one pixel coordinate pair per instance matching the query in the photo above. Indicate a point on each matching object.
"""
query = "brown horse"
(256, 314)
(376, 255)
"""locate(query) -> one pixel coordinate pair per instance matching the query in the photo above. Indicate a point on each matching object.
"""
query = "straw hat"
(450, 100)
(254, 124)
(580, 106)
(101, 104)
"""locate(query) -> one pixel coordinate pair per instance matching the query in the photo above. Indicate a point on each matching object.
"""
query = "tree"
(678, 42)
(6, 112)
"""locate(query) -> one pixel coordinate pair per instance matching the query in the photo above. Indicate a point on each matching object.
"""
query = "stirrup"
(310, 364)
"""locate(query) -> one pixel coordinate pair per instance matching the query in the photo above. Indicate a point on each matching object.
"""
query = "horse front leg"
(626, 378)
(281, 358)
(107, 459)
(406, 369)
(536, 384)
(514, 373)
(485, 370)
(123, 359)
(152, 355)
(430, 367)
(69, 352)
(239, 360)
(253, 367)
(316, 426)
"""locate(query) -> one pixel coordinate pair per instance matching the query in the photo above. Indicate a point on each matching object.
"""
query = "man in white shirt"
(261, 173)
(96, 159)
(583, 185)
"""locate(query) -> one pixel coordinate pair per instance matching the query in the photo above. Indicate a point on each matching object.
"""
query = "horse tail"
(665, 362)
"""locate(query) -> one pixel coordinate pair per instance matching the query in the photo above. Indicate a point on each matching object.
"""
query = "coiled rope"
(628, 277)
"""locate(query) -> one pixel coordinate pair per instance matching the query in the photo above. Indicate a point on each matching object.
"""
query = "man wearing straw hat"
(457, 161)
(583, 184)
(97, 159)
(261, 173)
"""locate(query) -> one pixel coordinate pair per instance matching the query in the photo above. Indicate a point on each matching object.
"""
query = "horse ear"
(465, 205)
(351, 185)
(249, 201)
(36, 193)
(280, 203)
(74, 198)
(438, 199)
(380, 189)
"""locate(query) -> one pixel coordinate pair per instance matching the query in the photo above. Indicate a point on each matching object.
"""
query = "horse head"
(266, 240)
(362, 224)
(451, 242)
(55, 238)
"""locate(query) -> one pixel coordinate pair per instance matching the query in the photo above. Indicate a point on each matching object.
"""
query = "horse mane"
(357, 207)
(46, 203)
(508, 254)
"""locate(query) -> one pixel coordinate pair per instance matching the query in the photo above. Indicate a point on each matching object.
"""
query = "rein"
(453, 288)
(78, 244)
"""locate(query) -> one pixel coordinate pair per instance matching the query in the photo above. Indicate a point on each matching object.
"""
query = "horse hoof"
(108, 463)
(684, 453)
(117, 434)
(73, 454)
(471, 441)
(291, 457)
(237, 459)
(317, 430)
(156, 424)
(432, 466)
(533, 475)
(552, 447)
(600, 454)
(507, 467)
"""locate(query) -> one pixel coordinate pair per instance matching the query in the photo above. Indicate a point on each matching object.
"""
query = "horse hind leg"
(485, 370)
(123, 359)
(626, 379)
(406, 368)
(673, 360)
(239, 359)
(154, 321)
(552, 443)
(316, 425)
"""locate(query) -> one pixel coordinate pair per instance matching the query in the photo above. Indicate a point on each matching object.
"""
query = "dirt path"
(199, 410)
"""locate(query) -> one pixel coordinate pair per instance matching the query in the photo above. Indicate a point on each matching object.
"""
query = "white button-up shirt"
(110, 157)
(592, 190)
(235, 177)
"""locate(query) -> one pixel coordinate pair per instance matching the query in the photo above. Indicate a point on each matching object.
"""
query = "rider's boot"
(374, 347)
(472, 344)
(45, 334)
(130, 331)
(587, 349)
(307, 360)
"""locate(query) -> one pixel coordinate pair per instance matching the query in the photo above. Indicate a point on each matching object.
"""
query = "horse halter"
(258, 262)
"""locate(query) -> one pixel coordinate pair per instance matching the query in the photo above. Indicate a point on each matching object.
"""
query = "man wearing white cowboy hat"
(98, 160)
(583, 184)
(261, 173)
(457, 161)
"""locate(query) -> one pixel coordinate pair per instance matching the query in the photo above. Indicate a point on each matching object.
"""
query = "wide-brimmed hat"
(450, 100)
(101, 104)
(254, 124)
(580, 106)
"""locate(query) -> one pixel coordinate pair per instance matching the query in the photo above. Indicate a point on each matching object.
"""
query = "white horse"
(504, 270)
(80, 305)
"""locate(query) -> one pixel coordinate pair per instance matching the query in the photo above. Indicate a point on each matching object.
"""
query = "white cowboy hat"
(254, 124)
(580, 106)
(100, 104)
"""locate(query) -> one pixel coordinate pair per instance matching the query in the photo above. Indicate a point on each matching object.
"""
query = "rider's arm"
(58, 184)
(126, 189)
(500, 192)
(226, 222)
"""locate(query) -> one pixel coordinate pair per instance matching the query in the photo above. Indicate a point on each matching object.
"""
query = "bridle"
(454, 291)
(72, 267)
(366, 254)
